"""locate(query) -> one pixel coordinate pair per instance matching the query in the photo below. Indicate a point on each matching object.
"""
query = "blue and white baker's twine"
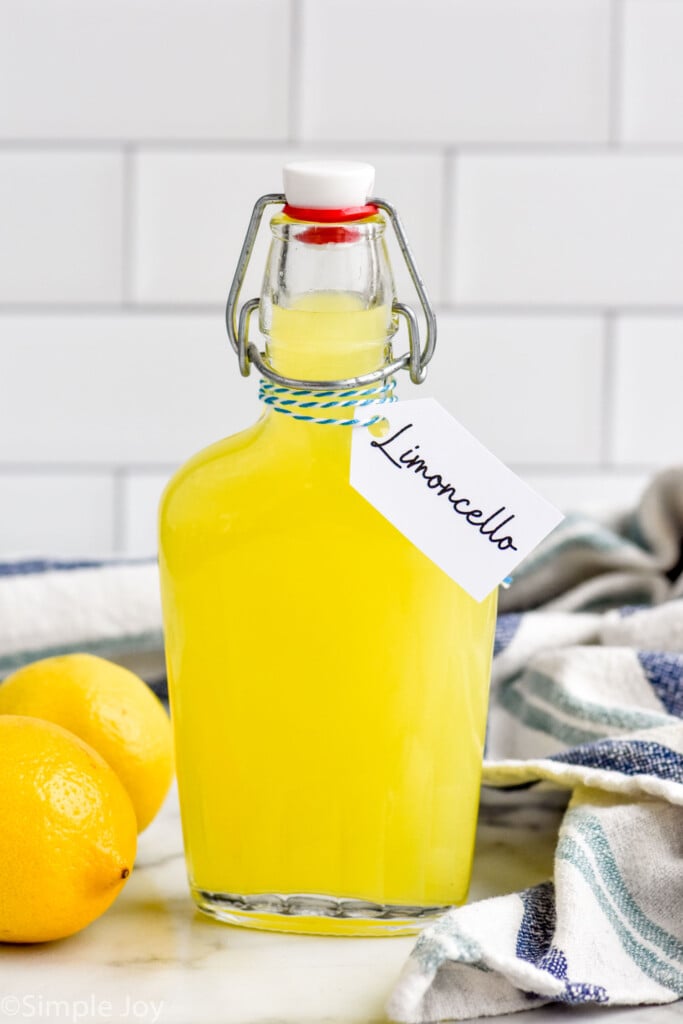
(294, 402)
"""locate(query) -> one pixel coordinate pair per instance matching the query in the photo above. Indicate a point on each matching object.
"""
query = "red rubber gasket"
(338, 216)
(324, 234)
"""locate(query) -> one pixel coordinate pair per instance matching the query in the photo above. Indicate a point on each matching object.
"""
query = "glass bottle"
(328, 682)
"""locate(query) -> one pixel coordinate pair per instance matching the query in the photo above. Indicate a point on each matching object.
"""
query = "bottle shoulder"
(230, 456)
(271, 452)
(251, 477)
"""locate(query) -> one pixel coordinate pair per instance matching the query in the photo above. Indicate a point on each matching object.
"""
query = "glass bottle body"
(328, 682)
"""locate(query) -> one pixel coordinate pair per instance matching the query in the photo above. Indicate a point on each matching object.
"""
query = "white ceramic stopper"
(328, 184)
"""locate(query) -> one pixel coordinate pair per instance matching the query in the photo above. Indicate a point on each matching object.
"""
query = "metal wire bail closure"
(415, 360)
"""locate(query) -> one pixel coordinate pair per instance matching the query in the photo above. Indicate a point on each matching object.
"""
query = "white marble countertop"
(153, 957)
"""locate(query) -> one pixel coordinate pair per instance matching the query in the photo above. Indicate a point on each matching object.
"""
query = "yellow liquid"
(328, 682)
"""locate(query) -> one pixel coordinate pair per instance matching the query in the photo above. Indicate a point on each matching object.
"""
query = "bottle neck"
(326, 306)
(325, 337)
(327, 297)
(328, 336)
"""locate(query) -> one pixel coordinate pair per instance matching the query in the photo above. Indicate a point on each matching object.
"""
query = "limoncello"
(328, 682)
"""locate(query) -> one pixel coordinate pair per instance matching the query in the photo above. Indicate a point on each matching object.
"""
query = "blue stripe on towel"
(534, 944)
(664, 673)
(629, 757)
(537, 926)
(35, 566)
(627, 610)
(506, 627)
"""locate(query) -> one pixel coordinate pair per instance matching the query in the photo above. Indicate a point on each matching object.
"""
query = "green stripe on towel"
(649, 963)
(611, 717)
(541, 720)
(592, 831)
(133, 644)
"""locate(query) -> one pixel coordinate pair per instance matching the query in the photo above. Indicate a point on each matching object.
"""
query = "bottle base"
(314, 915)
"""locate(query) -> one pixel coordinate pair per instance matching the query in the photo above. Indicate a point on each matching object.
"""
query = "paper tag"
(449, 495)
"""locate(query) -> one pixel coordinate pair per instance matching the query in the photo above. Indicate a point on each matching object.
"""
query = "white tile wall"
(456, 70)
(192, 208)
(61, 226)
(648, 415)
(533, 149)
(141, 494)
(652, 71)
(129, 69)
(586, 230)
(117, 390)
(57, 513)
(596, 493)
(528, 387)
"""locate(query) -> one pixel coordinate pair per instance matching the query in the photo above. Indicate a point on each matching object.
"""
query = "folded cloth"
(626, 558)
(587, 695)
(110, 607)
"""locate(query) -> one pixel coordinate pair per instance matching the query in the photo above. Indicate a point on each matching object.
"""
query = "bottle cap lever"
(248, 354)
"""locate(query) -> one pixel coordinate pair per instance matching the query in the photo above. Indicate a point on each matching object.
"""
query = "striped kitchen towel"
(108, 607)
(587, 699)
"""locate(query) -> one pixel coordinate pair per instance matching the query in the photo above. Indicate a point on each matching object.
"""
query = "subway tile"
(141, 494)
(596, 230)
(119, 389)
(528, 387)
(652, 71)
(464, 70)
(191, 214)
(192, 210)
(595, 493)
(61, 233)
(137, 69)
(56, 514)
(648, 412)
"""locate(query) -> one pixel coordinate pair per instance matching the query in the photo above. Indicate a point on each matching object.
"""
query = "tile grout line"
(573, 470)
(449, 181)
(118, 509)
(124, 308)
(615, 65)
(203, 309)
(120, 472)
(127, 226)
(607, 391)
(75, 468)
(295, 96)
(396, 146)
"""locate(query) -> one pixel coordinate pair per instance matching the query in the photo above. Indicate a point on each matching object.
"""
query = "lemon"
(108, 707)
(67, 832)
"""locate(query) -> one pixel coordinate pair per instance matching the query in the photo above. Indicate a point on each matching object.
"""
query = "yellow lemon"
(67, 832)
(109, 708)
